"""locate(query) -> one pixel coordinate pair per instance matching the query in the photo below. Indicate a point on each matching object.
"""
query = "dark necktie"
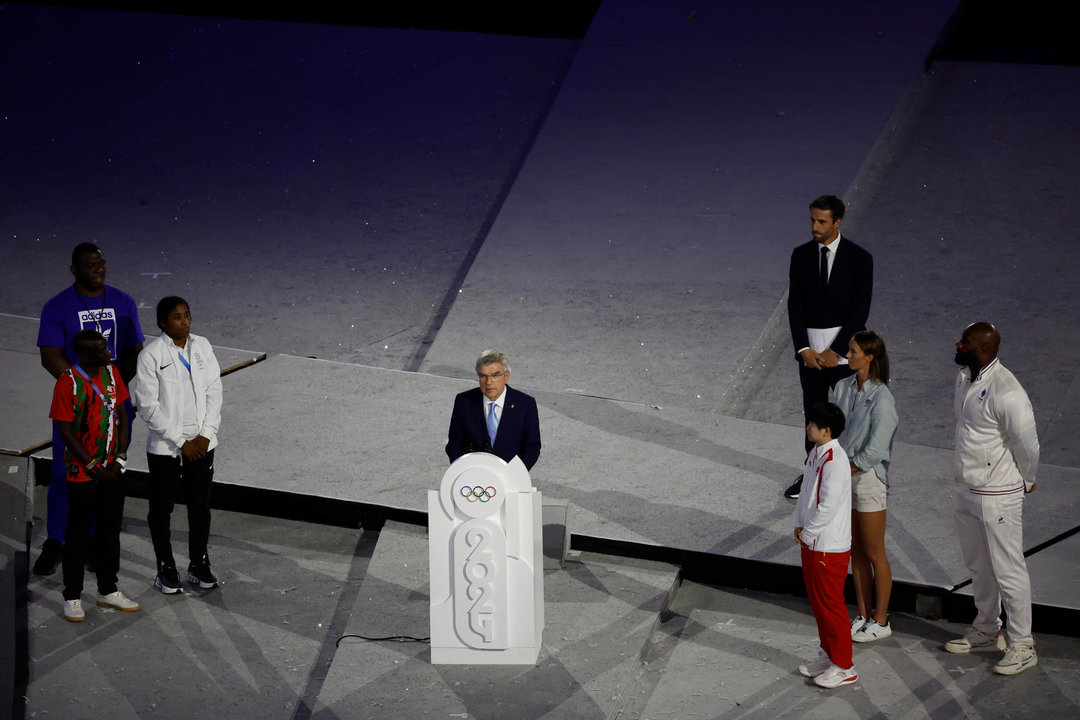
(824, 267)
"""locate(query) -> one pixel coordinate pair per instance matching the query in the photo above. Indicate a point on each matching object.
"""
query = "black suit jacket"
(846, 301)
(519, 427)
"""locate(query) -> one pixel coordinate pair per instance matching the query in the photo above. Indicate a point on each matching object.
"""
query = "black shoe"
(168, 580)
(199, 574)
(793, 491)
(52, 552)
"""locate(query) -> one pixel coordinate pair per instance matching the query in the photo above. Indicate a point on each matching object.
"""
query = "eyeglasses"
(492, 377)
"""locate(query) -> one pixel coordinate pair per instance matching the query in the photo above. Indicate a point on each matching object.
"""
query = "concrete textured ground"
(280, 638)
(616, 213)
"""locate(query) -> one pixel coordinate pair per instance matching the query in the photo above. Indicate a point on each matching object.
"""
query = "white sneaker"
(1016, 660)
(975, 640)
(820, 665)
(73, 611)
(836, 676)
(872, 631)
(857, 624)
(118, 601)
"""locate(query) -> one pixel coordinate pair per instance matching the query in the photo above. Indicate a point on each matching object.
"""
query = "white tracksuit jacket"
(997, 448)
(160, 398)
(824, 507)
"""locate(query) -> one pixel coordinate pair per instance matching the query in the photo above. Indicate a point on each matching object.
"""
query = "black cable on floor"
(399, 638)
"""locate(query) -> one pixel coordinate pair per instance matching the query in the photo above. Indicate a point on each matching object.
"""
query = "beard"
(965, 359)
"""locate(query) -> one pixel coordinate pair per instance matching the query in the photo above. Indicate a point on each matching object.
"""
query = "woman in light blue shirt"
(870, 412)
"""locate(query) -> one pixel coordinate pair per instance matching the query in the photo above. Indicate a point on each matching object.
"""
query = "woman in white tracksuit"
(177, 390)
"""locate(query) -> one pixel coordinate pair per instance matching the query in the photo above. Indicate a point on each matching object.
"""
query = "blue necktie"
(493, 423)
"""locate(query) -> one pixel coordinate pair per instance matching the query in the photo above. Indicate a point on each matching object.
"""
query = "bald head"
(978, 346)
(986, 337)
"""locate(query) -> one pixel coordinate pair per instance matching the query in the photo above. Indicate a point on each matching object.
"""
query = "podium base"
(470, 656)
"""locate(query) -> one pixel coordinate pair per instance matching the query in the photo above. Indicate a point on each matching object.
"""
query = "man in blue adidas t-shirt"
(89, 304)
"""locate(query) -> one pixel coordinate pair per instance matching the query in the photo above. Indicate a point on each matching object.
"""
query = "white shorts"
(868, 493)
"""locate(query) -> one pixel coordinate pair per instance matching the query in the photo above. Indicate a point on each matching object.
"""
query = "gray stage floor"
(371, 207)
(624, 639)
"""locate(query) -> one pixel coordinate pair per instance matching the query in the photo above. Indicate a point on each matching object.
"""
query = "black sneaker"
(199, 574)
(52, 552)
(793, 491)
(168, 580)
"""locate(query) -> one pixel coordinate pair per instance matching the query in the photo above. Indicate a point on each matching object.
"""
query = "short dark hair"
(166, 305)
(81, 341)
(84, 249)
(831, 203)
(827, 415)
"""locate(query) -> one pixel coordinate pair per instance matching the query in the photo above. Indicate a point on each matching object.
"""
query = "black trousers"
(167, 475)
(816, 385)
(104, 502)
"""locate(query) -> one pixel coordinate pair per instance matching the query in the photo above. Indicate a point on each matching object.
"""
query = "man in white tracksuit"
(997, 454)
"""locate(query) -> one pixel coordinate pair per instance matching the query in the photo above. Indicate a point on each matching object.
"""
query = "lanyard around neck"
(100, 393)
(183, 360)
(100, 313)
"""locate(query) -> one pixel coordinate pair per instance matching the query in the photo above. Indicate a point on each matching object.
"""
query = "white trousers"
(991, 531)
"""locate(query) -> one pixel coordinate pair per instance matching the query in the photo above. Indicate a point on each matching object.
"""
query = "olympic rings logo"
(475, 494)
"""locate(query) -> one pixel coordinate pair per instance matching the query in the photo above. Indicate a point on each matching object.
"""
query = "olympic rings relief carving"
(480, 601)
(477, 493)
(481, 494)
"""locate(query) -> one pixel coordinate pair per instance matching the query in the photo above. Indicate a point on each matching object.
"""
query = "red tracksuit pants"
(824, 575)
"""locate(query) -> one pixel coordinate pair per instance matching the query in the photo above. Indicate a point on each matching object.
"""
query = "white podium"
(486, 564)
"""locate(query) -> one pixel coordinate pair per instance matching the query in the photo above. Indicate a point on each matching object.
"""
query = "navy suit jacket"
(845, 302)
(518, 434)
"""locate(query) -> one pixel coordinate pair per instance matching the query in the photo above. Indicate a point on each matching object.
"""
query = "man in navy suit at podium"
(494, 417)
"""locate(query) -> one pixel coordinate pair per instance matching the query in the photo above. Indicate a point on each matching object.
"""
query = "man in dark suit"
(494, 417)
(831, 282)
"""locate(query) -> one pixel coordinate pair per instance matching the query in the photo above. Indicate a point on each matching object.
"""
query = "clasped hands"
(819, 360)
(103, 473)
(196, 448)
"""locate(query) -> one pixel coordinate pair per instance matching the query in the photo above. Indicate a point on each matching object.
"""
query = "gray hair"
(492, 356)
